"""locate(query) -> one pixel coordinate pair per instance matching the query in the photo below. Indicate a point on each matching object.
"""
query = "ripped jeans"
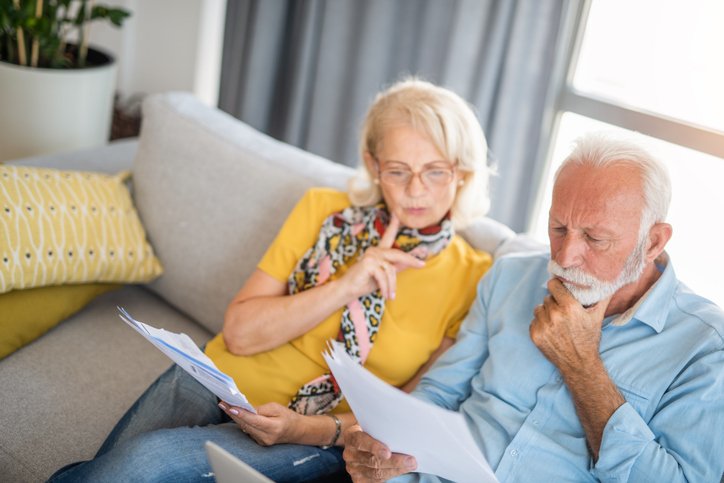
(161, 438)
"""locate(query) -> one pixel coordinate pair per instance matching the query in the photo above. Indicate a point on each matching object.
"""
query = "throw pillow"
(59, 227)
(25, 315)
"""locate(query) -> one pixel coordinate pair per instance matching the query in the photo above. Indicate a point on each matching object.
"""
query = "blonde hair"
(452, 127)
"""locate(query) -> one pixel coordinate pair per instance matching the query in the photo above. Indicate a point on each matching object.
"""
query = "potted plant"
(56, 92)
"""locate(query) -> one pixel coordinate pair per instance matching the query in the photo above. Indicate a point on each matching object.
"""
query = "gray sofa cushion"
(232, 189)
(72, 385)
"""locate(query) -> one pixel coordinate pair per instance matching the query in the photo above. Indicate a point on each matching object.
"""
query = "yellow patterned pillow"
(60, 227)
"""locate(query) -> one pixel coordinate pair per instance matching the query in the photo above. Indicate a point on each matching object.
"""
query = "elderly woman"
(378, 268)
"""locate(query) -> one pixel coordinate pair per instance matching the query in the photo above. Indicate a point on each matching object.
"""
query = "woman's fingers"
(391, 281)
(400, 259)
(383, 265)
(386, 277)
(388, 239)
(380, 277)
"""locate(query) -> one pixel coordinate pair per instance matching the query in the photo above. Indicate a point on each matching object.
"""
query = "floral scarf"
(344, 236)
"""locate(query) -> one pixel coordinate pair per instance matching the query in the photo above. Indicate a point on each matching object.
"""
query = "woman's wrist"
(337, 431)
(342, 290)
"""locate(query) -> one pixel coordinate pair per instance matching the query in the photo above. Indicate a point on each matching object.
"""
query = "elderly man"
(620, 374)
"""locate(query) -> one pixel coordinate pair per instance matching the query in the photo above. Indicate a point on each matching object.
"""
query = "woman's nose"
(416, 186)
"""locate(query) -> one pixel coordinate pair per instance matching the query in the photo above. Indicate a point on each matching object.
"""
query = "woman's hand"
(273, 423)
(378, 267)
(263, 315)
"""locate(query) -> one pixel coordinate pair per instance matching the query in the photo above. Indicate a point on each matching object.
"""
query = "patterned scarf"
(345, 236)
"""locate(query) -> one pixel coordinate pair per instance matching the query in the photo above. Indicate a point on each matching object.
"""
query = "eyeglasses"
(432, 176)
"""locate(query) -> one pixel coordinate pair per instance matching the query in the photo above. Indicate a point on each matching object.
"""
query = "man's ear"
(371, 164)
(659, 236)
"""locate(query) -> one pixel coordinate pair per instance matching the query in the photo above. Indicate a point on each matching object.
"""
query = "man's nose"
(570, 252)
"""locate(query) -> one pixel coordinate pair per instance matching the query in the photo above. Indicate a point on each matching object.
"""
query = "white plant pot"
(48, 110)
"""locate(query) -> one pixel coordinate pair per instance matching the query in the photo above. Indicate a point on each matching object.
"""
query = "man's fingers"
(388, 239)
(359, 440)
(368, 459)
(538, 311)
(370, 467)
(559, 292)
(599, 308)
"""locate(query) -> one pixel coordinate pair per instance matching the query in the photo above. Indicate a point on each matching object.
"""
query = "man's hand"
(569, 336)
(368, 460)
(273, 424)
(565, 332)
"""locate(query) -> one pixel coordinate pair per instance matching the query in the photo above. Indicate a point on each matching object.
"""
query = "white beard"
(596, 290)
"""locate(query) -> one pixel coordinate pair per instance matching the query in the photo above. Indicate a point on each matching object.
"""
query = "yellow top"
(430, 304)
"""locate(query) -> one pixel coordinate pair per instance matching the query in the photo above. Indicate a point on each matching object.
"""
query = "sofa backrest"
(212, 193)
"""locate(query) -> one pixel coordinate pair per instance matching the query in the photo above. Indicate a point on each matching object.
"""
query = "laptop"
(230, 469)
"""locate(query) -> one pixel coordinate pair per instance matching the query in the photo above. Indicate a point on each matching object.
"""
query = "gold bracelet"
(337, 431)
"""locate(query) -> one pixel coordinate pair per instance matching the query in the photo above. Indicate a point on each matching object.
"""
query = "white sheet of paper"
(184, 352)
(439, 439)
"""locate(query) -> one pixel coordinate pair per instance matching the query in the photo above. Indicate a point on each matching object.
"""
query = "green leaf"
(59, 17)
(115, 15)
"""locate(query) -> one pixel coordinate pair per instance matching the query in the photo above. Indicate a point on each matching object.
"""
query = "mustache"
(575, 275)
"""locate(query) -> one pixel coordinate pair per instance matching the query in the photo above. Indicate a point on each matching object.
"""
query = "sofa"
(211, 193)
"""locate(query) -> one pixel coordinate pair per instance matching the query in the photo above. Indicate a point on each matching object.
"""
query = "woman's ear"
(460, 178)
(371, 163)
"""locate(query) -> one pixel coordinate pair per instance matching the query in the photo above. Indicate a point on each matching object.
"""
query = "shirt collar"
(651, 307)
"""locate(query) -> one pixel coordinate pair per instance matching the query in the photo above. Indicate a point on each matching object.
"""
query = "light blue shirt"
(667, 361)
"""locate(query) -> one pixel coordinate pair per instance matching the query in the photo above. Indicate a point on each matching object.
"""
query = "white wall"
(166, 45)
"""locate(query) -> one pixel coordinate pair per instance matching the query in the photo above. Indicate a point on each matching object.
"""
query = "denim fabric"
(161, 438)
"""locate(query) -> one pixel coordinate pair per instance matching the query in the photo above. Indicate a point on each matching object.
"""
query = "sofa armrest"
(110, 158)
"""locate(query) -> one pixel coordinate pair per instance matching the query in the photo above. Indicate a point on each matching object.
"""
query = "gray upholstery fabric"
(232, 189)
(72, 385)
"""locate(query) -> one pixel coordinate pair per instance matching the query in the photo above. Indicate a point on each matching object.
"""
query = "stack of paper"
(182, 350)
(439, 439)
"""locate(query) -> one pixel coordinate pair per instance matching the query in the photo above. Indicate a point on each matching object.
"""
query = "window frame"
(566, 98)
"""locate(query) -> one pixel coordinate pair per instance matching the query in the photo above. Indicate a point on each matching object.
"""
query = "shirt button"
(514, 452)
(536, 422)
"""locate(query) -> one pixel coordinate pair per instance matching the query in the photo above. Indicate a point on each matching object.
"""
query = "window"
(654, 67)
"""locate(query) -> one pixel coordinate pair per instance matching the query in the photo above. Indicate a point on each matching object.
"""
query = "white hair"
(601, 149)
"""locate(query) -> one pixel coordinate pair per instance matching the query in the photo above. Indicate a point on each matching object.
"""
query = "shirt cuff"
(624, 438)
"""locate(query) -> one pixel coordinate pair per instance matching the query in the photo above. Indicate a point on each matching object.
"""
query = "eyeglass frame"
(420, 174)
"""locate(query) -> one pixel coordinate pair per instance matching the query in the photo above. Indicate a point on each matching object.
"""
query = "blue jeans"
(161, 438)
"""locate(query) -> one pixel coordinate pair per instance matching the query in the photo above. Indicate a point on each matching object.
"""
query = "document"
(184, 352)
(439, 439)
